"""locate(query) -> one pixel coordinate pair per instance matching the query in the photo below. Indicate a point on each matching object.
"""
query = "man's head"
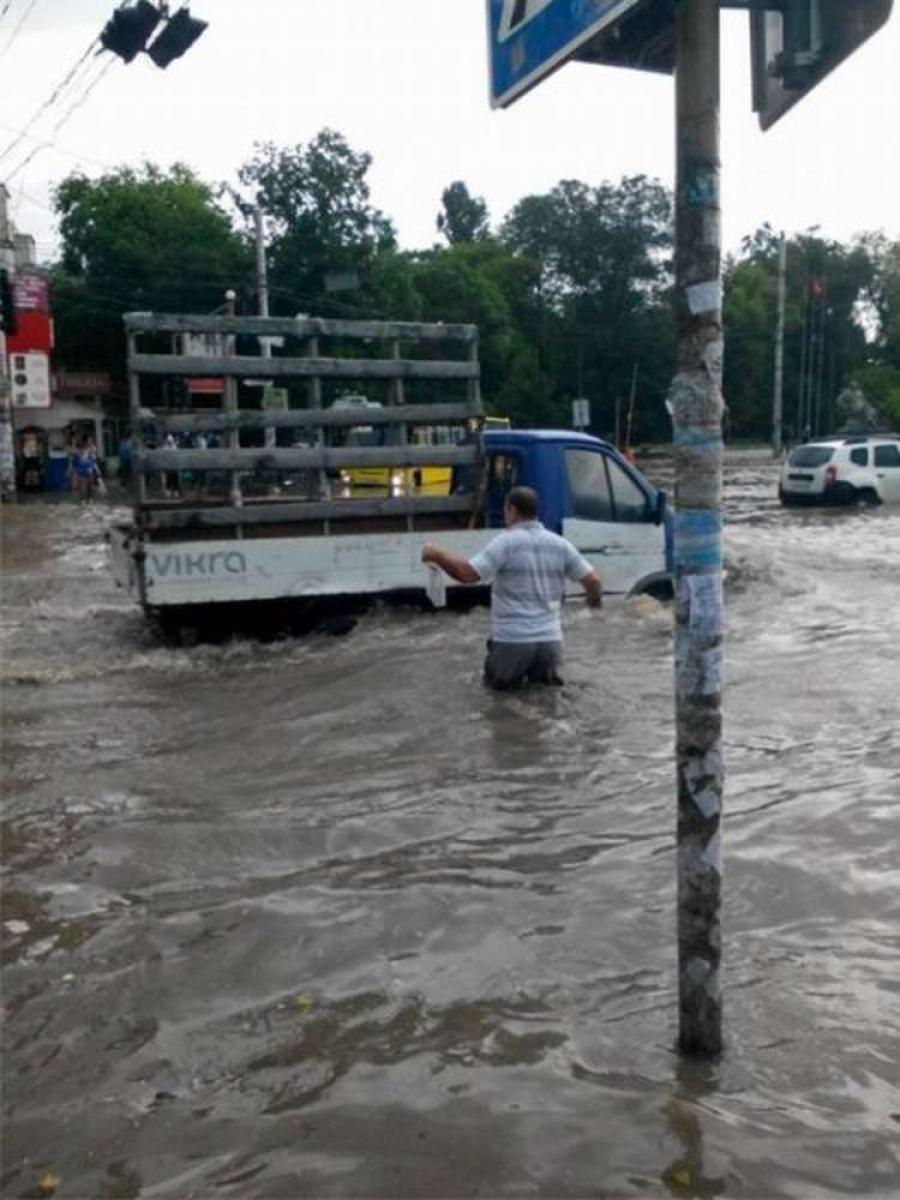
(521, 505)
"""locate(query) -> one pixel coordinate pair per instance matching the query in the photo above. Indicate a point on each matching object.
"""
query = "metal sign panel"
(29, 376)
(274, 399)
(530, 38)
(794, 49)
(581, 413)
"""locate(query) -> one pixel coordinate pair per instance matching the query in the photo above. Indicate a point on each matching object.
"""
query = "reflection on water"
(321, 917)
(685, 1177)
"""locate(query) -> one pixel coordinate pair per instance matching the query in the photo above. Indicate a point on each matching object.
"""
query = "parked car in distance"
(863, 469)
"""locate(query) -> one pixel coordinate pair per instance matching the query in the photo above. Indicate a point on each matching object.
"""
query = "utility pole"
(7, 439)
(631, 399)
(230, 405)
(804, 354)
(262, 288)
(7, 445)
(820, 368)
(696, 399)
(778, 394)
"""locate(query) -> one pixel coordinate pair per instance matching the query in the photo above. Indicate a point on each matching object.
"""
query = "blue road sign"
(530, 38)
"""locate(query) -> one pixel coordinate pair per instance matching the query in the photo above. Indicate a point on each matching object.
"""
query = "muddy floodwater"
(319, 917)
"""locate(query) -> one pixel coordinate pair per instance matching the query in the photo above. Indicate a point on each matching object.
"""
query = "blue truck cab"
(592, 495)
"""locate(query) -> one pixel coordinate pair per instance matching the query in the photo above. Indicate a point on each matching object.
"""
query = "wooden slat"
(204, 421)
(270, 513)
(313, 458)
(298, 327)
(245, 366)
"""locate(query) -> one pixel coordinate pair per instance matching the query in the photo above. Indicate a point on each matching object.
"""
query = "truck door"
(612, 520)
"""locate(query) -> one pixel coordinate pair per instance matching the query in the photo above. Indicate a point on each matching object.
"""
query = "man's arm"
(593, 589)
(454, 565)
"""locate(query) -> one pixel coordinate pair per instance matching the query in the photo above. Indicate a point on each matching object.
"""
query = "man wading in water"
(527, 566)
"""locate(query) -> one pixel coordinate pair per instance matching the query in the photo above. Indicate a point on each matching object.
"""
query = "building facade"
(42, 413)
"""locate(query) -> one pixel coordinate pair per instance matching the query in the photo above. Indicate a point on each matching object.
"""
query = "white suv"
(849, 470)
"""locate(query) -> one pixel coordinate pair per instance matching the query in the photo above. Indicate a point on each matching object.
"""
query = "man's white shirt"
(527, 567)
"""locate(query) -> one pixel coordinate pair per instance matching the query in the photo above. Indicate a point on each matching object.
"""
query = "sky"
(407, 81)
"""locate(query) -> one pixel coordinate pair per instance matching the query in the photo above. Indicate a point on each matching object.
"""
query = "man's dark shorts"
(510, 665)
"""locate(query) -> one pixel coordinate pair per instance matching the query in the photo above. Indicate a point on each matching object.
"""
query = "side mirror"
(659, 511)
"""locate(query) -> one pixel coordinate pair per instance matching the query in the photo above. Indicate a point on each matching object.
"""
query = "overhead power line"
(5, 9)
(67, 151)
(15, 33)
(66, 116)
(54, 96)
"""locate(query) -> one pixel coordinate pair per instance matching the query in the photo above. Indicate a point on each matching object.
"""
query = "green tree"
(749, 323)
(884, 293)
(317, 199)
(602, 265)
(137, 239)
(463, 217)
(880, 384)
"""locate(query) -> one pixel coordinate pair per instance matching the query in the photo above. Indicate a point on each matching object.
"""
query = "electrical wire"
(5, 9)
(82, 99)
(67, 151)
(15, 33)
(51, 100)
(67, 116)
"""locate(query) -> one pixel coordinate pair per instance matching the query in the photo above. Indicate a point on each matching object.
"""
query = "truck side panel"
(209, 572)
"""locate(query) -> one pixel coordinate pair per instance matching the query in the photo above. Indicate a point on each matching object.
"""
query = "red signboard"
(34, 332)
(201, 385)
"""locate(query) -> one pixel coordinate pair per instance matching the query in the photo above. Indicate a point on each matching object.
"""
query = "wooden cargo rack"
(398, 358)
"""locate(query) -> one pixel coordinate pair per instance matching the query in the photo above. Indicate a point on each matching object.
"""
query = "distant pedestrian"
(171, 482)
(126, 460)
(84, 472)
(527, 566)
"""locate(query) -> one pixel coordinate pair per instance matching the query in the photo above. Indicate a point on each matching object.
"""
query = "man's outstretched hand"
(593, 590)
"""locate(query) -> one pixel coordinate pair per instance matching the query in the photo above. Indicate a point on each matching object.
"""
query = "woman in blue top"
(84, 469)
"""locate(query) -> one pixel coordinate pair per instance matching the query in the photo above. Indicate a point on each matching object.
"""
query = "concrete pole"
(7, 433)
(631, 398)
(778, 393)
(262, 287)
(230, 405)
(696, 399)
(7, 426)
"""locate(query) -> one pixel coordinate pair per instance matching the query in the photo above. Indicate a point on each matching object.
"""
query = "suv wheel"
(842, 493)
(867, 498)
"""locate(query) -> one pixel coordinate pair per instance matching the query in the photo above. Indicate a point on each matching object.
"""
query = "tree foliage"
(602, 262)
(137, 238)
(318, 202)
(463, 217)
(826, 340)
(571, 294)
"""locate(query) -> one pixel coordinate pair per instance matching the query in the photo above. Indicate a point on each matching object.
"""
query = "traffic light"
(128, 30)
(8, 322)
(180, 33)
(796, 43)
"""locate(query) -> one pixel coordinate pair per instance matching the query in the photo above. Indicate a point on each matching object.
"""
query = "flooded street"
(321, 917)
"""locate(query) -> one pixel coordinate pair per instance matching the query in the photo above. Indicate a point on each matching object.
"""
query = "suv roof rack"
(858, 439)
